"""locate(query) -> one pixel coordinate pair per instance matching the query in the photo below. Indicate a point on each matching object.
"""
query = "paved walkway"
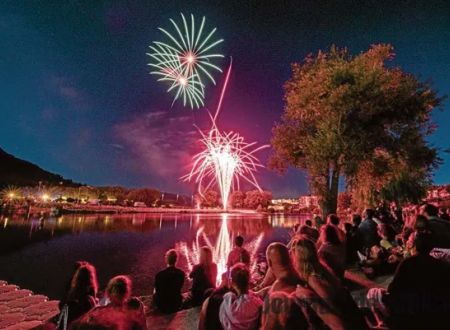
(21, 309)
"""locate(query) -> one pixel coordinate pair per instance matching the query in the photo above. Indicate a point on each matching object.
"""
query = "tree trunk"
(329, 201)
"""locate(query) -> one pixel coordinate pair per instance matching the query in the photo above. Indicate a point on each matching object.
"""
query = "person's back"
(367, 232)
(440, 229)
(168, 285)
(240, 308)
(332, 251)
(81, 297)
(238, 253)
(203, 277)
(419, 294)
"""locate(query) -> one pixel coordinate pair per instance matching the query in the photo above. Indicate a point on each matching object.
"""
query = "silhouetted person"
(440, 229)
(168, 285)
(368, 232)
(82, 293)
(308, 230)
(238, 253)
(332, 251)
(419, 295)
(203, 276)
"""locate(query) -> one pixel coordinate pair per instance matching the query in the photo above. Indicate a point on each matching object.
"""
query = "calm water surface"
(40, 254)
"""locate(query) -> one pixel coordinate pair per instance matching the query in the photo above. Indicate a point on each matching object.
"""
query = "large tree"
(352, 117)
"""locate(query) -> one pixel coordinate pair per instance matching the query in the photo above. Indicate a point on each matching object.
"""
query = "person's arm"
(202, 316)
(400, 278)
(269, 278)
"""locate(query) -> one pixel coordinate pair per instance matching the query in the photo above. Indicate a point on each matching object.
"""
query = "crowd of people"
(305, 285)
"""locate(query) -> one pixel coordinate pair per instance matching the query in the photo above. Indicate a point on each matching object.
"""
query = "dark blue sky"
(76, 97)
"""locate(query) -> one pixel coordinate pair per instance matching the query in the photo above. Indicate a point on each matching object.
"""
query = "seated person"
(168, 285)
(203, 276)
(387, 235)
(332, 251)
(419, 295)
(308, 230)
(241, 308)
(238, 253)
(121, 311)
(323, 291)
(82, 293)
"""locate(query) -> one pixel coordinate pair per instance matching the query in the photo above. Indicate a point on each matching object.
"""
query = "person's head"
(305, 257)
(171, 257)
(356, 219)
(330, 235)
(278, 258)
(333, 219)
(423, 243)
(308, 223)
(369, 213)
(84, 281)
(429, 210)
(421, 223)
(239, 241)
(386, 232)
(240, 278)
(118, 290)
(206, 256)
(348, 227)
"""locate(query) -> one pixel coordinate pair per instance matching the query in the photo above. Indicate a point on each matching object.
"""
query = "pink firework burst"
(226, 159)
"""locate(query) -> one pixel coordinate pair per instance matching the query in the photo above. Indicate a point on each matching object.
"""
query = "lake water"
(40, 254)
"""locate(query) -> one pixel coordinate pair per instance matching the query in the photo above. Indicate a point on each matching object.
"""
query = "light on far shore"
(45, 197)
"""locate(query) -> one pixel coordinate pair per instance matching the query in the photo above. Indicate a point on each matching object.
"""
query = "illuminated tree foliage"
(355, 117)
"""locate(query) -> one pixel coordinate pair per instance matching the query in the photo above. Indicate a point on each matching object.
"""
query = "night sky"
(76, 97)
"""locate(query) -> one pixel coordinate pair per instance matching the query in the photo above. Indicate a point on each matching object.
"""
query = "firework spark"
(226, 159)
(186, 59)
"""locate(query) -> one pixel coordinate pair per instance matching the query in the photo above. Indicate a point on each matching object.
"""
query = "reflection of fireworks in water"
(220, 250)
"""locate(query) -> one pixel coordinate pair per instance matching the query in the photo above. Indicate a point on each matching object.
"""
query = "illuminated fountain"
(220, 249)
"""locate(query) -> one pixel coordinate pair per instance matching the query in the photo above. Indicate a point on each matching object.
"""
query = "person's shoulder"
(229, 297)
(180, 271)
(254, 298)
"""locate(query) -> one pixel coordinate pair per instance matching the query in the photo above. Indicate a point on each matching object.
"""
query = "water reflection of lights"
(220, 249)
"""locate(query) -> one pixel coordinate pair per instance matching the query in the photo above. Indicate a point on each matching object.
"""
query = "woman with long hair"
(332, 251)
(325, 285)
(203, 277)
(82, 293)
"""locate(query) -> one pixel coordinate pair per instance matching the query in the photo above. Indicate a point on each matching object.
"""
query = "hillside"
(18, 172)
